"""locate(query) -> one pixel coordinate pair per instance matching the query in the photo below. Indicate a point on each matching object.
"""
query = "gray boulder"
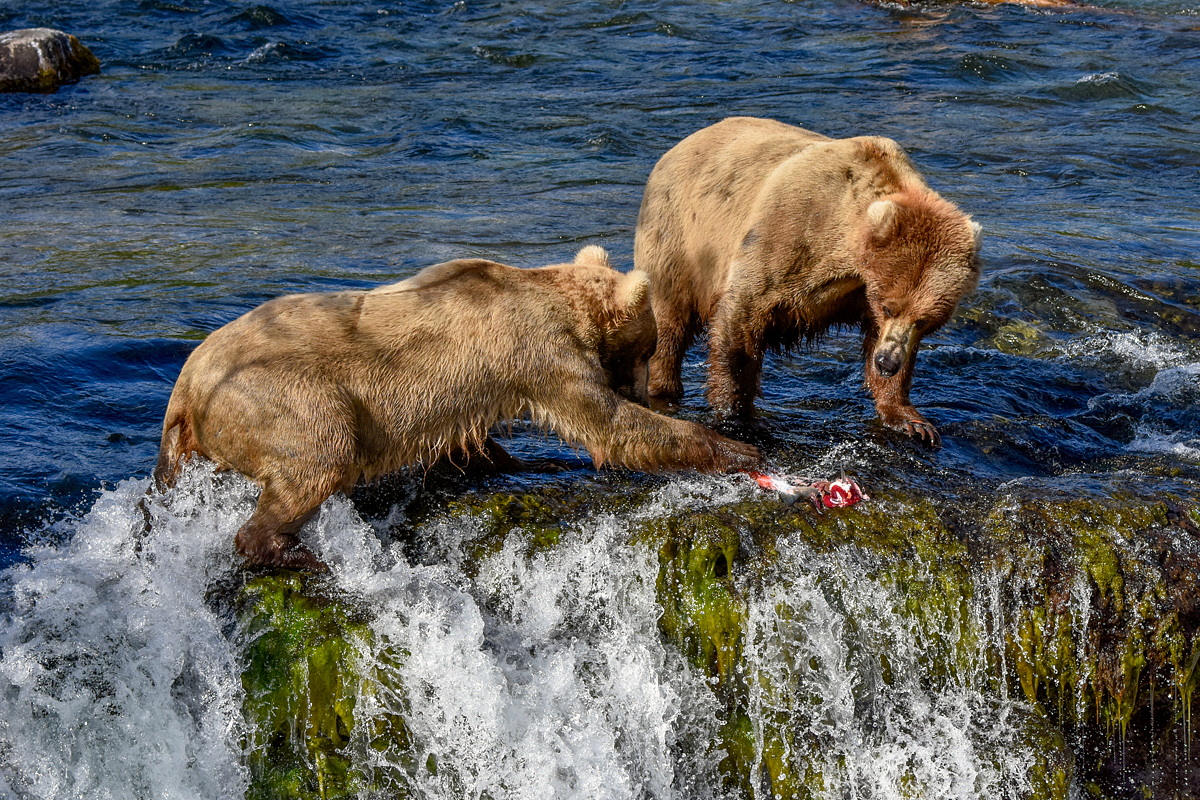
(42, 59)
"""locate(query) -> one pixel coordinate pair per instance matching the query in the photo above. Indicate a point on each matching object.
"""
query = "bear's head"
(619, 320)
(920, 256)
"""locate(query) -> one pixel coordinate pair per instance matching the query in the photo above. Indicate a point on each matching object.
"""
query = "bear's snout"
(889, 360)
(896, 341)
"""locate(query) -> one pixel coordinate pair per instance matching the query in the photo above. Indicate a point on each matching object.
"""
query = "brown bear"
(310, 393)
(768, 233)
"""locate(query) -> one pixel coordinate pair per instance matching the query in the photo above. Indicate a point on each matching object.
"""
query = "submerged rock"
(42, 59)
(1060, 628)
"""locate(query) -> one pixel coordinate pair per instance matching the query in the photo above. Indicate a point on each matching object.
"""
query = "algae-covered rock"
(303, 679)
(703, 612)
(1063, 628)
(42, 60)
(1101, 591)
(1090, 615)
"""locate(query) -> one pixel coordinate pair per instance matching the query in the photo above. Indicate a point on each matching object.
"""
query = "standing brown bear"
(768, 233)
(307, 394)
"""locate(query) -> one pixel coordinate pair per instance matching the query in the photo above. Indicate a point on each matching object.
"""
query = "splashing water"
(117, 679)
(543, 675)
(837, 656)
(542, 672)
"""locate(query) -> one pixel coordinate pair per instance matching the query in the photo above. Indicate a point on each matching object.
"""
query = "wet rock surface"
(1067, 622)
(42, 60)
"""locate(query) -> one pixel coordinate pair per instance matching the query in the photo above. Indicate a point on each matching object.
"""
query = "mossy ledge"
(1085, 608)
(309, 665)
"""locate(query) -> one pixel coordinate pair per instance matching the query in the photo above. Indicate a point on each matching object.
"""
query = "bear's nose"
(888, 361)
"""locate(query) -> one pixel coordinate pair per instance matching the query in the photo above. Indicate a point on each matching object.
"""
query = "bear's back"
(449, 276)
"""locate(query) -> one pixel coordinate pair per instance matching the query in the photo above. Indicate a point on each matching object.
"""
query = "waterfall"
(531, 664)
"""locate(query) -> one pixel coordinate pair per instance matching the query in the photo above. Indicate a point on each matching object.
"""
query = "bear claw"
(299, 557)
(921, 430)
(917, 429)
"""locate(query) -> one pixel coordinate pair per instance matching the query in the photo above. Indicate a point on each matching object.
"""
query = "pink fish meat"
(837, 493)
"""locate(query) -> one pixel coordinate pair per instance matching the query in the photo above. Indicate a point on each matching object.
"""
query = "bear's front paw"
(740, 455)
(300, 557)
(914, 425)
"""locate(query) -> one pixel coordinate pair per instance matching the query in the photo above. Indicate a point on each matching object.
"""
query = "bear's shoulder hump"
(447, 274)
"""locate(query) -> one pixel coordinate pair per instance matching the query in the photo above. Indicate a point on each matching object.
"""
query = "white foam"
(1100, 78)
(543, 674)
(1180, 445)
(263, 53)
(117, 680)
(1137, 349)
(1178, 385)
(695, 492)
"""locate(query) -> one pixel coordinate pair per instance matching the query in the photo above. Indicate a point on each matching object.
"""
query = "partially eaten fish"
(837, 493)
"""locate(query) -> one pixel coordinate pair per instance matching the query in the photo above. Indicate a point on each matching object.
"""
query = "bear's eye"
(887, 311)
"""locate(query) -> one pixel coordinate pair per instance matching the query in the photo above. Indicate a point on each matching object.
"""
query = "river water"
(231, 152)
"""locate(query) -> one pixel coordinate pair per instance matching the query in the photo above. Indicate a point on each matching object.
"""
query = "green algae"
(497, 516)
(706, 615)
(1089, 620)
(703, 612)
(1016, 337)
(1083, 658)
(303, 678)
(1092, 616)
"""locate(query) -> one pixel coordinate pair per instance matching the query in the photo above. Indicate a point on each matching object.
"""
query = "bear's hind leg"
(268, 539)
(675, 335)
(492, 459)
(178, 445)
(735, 359)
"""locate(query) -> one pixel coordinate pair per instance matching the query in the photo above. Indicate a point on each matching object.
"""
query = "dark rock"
(42, 59)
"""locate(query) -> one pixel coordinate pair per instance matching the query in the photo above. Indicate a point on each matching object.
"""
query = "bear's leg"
(645, 440)
(735, 358)
(491, 458)
(177, 446)
(268, 539)
(617, 431)
(675, 335)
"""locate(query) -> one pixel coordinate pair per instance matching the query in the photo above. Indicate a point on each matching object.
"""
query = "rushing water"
(231, 152)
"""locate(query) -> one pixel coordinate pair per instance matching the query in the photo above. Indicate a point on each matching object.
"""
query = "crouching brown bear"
(768, 233)
(308, 394)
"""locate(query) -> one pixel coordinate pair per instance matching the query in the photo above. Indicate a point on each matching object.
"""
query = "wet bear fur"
(767, 234)
(309, 394)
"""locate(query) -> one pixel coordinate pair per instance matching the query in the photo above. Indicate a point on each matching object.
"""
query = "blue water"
(230, 152)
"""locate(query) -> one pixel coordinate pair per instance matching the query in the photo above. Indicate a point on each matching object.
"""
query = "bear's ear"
(976, 234)
(633, 292)
(881, 219)
(593, 254)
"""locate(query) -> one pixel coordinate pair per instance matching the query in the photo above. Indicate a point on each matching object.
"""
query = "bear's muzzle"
(896, 341)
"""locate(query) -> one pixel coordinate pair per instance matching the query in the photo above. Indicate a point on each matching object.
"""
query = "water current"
(232, 152)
